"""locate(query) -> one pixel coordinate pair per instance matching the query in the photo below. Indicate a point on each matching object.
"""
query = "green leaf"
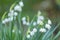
(12, 6)
(4, 15)
(58, 34)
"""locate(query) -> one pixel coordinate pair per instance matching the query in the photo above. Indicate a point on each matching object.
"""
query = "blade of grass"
(58, 34)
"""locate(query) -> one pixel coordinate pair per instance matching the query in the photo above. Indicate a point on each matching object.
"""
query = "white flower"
(31, 33)
(47, 26)
(21, 4)
(40, 17)
(28, 36)
(18, 8)
(15, 13)
(49, 21)
(24, 22)
(24, 18)
(40, 22)
(34, 30)
(42, 30)
(34, 23)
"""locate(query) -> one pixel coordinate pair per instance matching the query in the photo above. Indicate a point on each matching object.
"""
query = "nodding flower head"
(21, 4)
(42, 30)
(18, 8)
(47, 26)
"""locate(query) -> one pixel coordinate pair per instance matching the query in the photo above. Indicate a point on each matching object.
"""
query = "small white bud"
(49, 22)
(18, 8)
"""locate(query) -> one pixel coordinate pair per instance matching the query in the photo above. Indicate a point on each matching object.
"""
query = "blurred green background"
(32, 6)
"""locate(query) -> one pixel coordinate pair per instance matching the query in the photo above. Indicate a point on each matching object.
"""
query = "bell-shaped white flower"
(18, 8)
(21, 4)
(47, 26)
(42, 30)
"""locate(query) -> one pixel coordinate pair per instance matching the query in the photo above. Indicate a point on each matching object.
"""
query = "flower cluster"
(24, 21)
(31, 33)
(13, 13)
(40, 21)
